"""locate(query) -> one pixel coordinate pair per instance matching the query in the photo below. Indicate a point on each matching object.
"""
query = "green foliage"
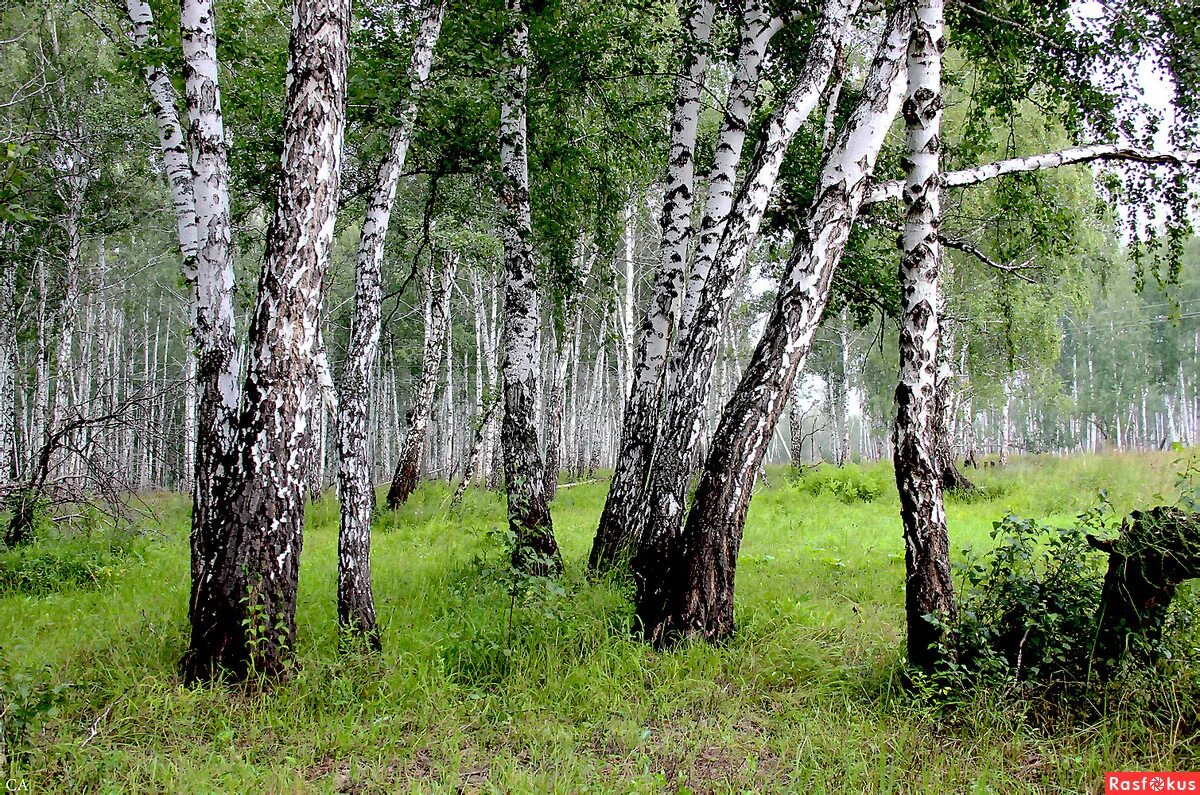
(847, 484)
(806, 693)
(1029, 603)
(58, 560)
(28, 698)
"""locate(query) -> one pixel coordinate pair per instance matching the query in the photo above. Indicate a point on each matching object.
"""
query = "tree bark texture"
(758, 27)
(691, 364)
(356, 490)
(685, 585)
(535, 549)
(217, 357)
(929, 587)
(243, 615)
(439, 284)
(620, 520)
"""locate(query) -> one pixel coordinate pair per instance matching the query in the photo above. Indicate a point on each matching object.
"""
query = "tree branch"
(1067, 157)
(965, 246)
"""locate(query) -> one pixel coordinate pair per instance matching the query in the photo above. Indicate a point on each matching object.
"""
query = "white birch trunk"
(356, 490)
(244, 609)
(439, 284)
(690, 368)
(685, 582)
(529, 519)
(620, 519)
(929, 587)
(218, 365)
(758, 27)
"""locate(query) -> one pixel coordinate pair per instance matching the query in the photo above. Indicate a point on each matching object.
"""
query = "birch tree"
(356, 490)
(620, 519)
(243, 613)
(217, 359)
(690, 367)
(439, 282)
(929, 587)
(686, 587)
(535, 549)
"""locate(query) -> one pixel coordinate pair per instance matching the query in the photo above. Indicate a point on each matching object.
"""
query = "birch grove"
(664, 256)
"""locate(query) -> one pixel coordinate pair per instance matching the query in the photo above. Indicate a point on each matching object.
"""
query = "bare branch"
(965, 246)
(1067, 157)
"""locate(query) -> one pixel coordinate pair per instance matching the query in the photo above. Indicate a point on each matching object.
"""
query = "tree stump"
(1156, 551)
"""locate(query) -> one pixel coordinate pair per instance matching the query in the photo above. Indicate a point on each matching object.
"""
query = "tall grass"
(806, 697)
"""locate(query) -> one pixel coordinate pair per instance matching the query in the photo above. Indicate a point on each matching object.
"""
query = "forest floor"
(556, 697)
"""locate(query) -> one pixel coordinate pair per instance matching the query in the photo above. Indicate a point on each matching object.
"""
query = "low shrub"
(848, 484)
(27, 700)
(55, 561)
(1029, 610)
(1028, 605)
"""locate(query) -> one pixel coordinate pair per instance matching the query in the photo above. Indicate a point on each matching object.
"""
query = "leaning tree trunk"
(690, 368)
(356, 490)
(691, 592)
(437, 323)
(758, 27)
(217, 357)
(929, 588)
(244, 613)
(1156, 551)
(475, 451)
(620, 519)
(535, 549)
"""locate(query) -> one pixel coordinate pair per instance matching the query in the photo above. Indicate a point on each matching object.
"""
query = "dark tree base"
(1156, 551)
(403, 484)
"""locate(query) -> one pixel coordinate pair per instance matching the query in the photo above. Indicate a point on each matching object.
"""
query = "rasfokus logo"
(1151, 782)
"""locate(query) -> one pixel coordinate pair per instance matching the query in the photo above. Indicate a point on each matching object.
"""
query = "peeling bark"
(690, 368)
(689, 590)
(929, 587)
(243, 615)
(620, 521)
(535, 550)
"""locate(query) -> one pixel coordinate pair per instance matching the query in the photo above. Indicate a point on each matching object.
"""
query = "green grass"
(804, 698)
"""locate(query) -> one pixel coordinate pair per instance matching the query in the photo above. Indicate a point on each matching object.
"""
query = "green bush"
(27, 700)
(848, 484)
(983, 492)
(56, 561)
(1028, 605)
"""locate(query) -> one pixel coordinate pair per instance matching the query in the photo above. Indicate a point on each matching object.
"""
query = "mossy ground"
(805, 698)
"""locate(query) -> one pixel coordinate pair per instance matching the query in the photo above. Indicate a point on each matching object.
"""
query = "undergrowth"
(490, 683)
(88, 552)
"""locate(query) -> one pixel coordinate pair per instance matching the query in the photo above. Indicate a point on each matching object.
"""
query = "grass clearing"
(805, 698)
